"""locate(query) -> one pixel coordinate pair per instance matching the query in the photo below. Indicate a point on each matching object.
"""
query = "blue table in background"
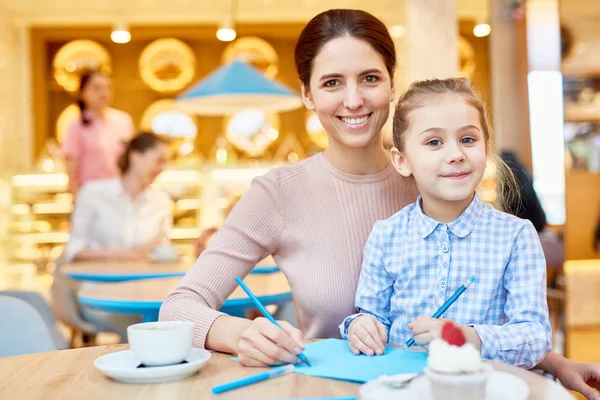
(144, 297)
(121, 271)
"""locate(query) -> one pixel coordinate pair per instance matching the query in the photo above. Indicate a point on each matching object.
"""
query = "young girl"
(416, 259)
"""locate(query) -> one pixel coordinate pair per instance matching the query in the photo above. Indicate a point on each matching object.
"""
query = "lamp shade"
(234, 87)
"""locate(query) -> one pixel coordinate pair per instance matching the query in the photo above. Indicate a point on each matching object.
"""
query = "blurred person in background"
(96, 140)
(527, 205)
(597, 238)
(120, 219)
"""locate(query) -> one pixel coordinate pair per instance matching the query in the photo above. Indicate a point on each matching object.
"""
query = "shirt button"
(445, 247)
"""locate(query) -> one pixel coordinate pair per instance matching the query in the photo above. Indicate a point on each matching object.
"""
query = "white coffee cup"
(161, 343)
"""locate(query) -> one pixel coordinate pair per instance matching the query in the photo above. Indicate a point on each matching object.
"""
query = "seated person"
(122, 218)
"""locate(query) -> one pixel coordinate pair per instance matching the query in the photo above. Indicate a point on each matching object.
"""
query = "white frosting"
(453, 359)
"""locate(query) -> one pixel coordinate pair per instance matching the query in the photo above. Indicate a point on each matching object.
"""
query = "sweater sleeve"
(251, 232)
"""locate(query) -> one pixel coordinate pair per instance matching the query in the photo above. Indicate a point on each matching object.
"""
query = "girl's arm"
(525, 338)
(375, 285)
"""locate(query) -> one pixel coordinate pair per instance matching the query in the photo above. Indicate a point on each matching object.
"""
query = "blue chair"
(23, 330)
(35, 300)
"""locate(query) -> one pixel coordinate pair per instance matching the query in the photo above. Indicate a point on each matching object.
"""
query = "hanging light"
(120, 33)
(482, 30)
(226, 31)
(234, 87)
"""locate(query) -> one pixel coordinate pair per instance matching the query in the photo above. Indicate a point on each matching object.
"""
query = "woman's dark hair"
(337, 23)
(140, 143)
(86, 77)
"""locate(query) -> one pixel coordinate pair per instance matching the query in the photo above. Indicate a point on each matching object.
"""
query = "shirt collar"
(461, 227)
(120, 190)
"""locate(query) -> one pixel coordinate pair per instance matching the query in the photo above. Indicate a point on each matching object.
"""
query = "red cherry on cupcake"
(452, 335)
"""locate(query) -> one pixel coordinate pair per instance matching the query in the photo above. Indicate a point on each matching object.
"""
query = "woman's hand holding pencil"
(264, 344)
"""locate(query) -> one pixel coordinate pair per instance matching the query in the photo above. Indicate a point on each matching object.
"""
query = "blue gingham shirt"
(413, 264)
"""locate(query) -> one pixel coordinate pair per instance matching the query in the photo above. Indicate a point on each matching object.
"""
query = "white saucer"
(500, 386)
(122, 367)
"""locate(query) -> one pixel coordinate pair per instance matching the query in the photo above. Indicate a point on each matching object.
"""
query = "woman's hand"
(367, 335)
(581, 377)
(263, 344)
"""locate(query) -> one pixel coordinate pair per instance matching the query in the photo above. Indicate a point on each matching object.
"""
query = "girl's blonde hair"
(419, 94)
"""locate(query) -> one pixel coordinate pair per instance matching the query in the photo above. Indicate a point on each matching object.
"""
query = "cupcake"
(454, 367)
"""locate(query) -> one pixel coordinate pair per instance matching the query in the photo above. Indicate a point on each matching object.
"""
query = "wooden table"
(119, 271)
(70, 374)
(144, 297)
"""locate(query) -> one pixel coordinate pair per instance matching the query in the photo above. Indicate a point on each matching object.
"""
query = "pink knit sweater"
(314, 220)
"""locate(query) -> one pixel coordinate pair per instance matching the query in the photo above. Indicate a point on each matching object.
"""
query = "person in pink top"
(95, 141)
(314, 217)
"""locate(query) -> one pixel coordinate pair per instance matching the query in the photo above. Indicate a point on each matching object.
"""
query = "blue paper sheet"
(331, 358)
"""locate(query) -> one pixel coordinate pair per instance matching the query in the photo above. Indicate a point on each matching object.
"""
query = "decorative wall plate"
(255, 52)
(252, 130)
(167, 65)
(77, 56)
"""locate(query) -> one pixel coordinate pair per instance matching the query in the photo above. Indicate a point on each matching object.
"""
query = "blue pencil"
(271, 373)
(447, 304)
(264, 312)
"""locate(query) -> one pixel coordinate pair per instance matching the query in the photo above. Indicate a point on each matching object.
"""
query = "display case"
(39, 205)
(37, 208)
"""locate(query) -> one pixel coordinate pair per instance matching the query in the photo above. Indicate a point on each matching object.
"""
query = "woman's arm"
(111, 254)
(581, 377)
(250, 233)
(71, 150)
(72, 164)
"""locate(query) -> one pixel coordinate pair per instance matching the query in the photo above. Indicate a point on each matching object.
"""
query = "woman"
(95, 141)
(120, 219)
(314, 217)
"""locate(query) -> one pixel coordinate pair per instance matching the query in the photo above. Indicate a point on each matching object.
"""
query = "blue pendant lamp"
(234, 87)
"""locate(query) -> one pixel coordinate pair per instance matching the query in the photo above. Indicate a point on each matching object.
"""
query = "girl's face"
(444, 149)
(97, 92)
(350, 91)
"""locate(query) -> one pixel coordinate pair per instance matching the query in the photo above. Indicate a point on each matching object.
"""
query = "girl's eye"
(331, 83)
(467, 140)
(434, 143)
(371, 79)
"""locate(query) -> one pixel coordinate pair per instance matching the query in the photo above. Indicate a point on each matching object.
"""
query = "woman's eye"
(332, 83)
(371, 79)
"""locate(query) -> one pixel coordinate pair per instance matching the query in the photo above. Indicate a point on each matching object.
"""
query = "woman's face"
(97, 93)
(350, 91)
(149, 164)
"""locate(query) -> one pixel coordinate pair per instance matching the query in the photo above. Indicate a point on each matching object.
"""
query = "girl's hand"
(425, 329)
(263, 344)
(367, 335)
